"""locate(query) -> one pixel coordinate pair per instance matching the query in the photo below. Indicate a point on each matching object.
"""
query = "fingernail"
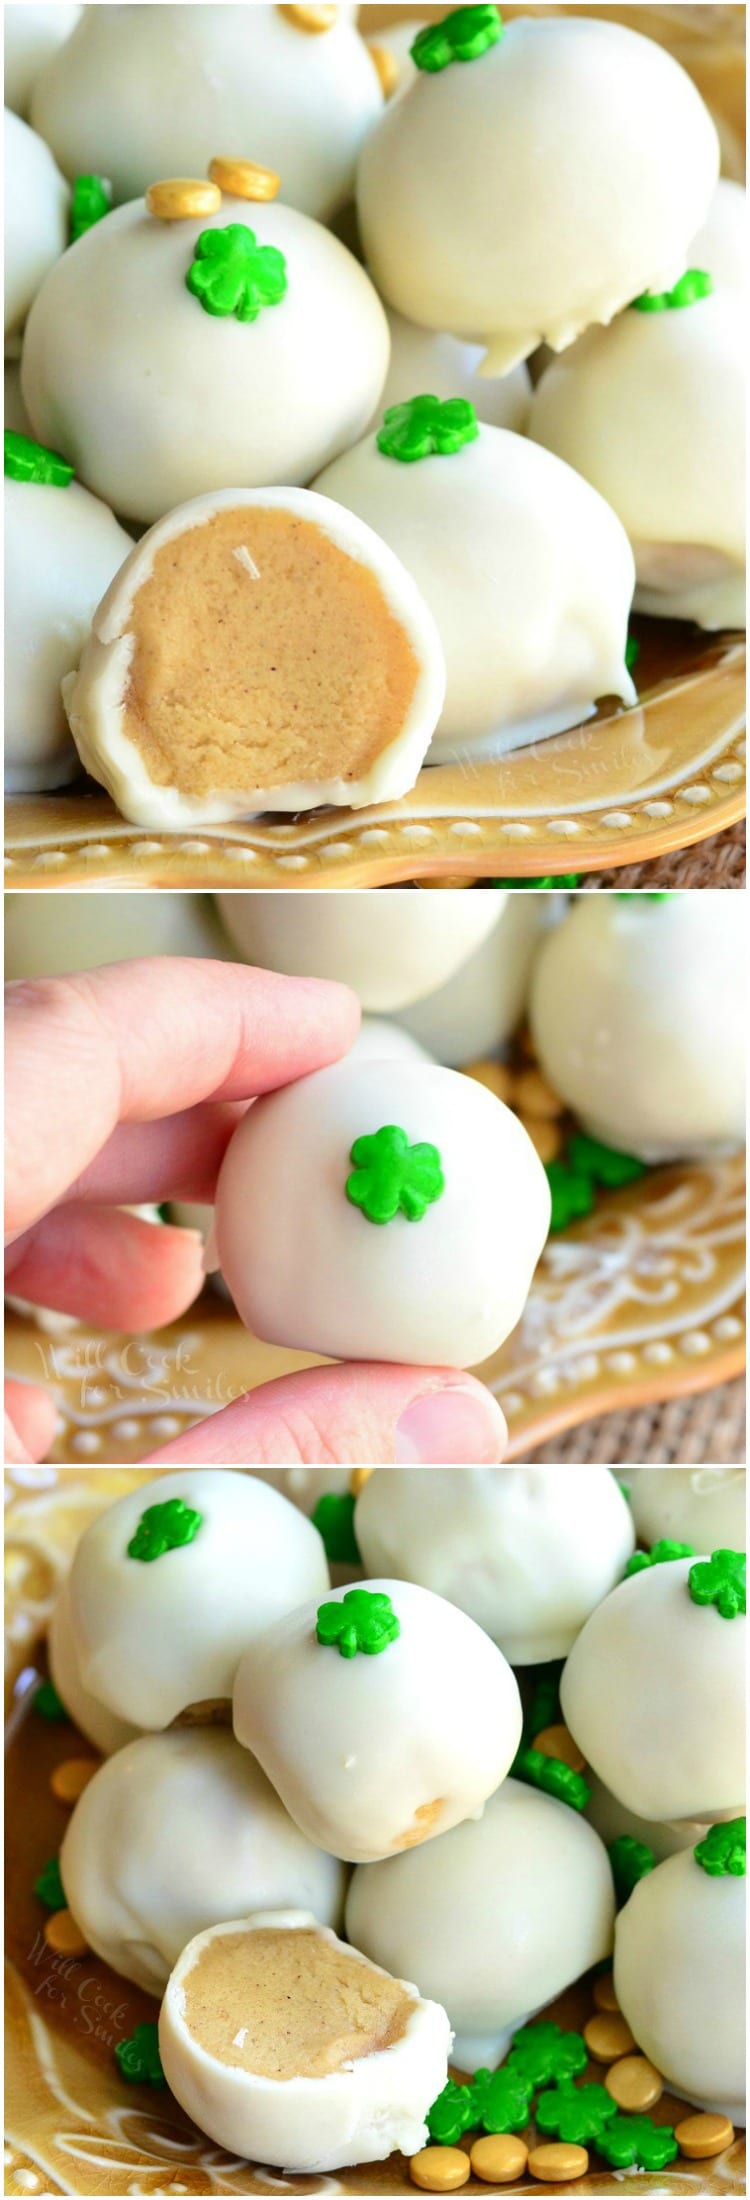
(459, 1427)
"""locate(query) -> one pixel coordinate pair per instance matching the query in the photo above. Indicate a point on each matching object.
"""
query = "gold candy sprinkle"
(64, 1936)
(70, 1778)
(387, 71)
(440, 2169)
(699, 2136)
(245, 179)
(535, 1097)
(497, 1077)
(182, 198)
(310, 19)
(604, 1992)
(608, 2037)
(499, 2160)
(546, 1137)
(557, 2164)
(555, 1741)
(357, 1479)
(634, 2083)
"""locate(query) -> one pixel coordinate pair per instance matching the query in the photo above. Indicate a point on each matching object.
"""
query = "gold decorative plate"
(627, 787)
(73, 2125)
(642, 1301)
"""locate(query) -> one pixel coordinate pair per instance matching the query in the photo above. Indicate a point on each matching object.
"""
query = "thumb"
(352, 1415)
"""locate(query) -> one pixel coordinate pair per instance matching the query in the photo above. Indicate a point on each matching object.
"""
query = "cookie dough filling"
(254, 655)
(290, 2005)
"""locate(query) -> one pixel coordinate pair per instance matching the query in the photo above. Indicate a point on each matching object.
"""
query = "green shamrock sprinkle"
(139, 2058)
(47, 1702)
(633, 2142)
(365, 1620)
(552, 1776)
(720, 1580)
(572, 1194)
(721, 1853)
(334, 1519)
(577, 2115)
(661, 1554)
(543, 2053)
(502, 2099)
(588, 1157)
(427, 427)
(694, 284)
(91, 200)
(544, 1709)
(232, 273)
(26, 460)
(463, 35)
(630, 1861)
(164, 1528)
(452, 2114)
(564, 878)
(391, 1177)
(49, 1886)
(632, 652)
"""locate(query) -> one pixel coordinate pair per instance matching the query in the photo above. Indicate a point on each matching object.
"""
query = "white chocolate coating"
(679, 1975)
(306, 1485)
(495, 1919)
(526, 1551)
(380, 1041)
(95, 696)
(176, 1833)
(45, 937)
(653, 1693)
(35, 221)
(31, 34)
(100, 1726)
(466, 228)
(15, 414)
(62, 547)
(477, 1009)
(721, 245)
(155, 1636)
(637, 1017)
(374, 1754)
(398, 39)
(186, 83)
(422, 359)
(612, 1818)
(358, 2114)
(488, 535)
(308, 1269)
(651, 412)
(704, 1506)
(158, 401)
(392, 948)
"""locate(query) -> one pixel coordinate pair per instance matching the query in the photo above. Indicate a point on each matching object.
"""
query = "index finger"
(140, 1040)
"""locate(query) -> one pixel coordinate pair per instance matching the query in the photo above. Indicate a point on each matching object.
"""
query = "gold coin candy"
(182, 198)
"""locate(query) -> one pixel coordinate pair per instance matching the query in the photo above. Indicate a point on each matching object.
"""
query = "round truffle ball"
(704, 1506)
(679, 1975)
(421, 359)
(488, 534)
(175, 1833)
(44, 939)
(381, 1211)
(467, 228)
(37, 199)
(186, 83)
(62, 548)
(612, 1819)
(32, 35)
(378, 1040)
(391, 948)
(158, 399)
(653, 1692)
(376, 1743)
(526, 1551)
(476, 1010)
(169, 1586)
(101, 1726)
(637, 1017)
(651, 413)
(494, 1920)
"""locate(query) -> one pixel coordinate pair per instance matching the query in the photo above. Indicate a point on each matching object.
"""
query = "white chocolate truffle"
(637, 1017)
(100, 1726)
(721, 245)
(186, 83)
(154, 1635)
(35, 221)
(174, 1834)
(704, 1506)
(391, 948)
(378, 1040)
(375, 1753)
(467, 228)
(612, 1819)
(158, 400)
(31, 35)
(653, 1693)
(62, 547)
(421, 359)
(494, 1920)
(46, 937)
(261, 649)
(308, 1267)
(477, 1009)
(15, 415)
(651, 412)
(679, 1974)
(361, 2057)
(526, 1551)
(490, 536)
